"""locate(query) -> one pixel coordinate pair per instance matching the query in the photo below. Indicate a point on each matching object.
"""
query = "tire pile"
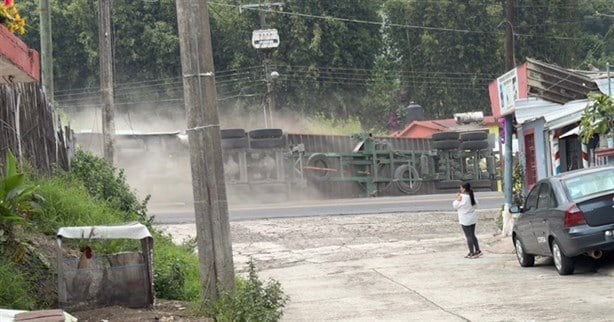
(449, 142)
(255, 139)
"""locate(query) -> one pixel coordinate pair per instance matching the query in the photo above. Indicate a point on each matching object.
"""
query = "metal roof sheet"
(555, 115)
(127, 231)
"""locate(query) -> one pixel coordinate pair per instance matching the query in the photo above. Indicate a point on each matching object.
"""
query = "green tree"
(549, 31)
(448, 52)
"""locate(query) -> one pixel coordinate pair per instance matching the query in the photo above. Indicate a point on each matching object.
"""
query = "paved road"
(176, 214)
(403, 267)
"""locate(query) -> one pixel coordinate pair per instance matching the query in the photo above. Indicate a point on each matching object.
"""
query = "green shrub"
(107, 183)
(252, 300)
(176, 270)
(17, 198)
(68, 203)
(15, 290)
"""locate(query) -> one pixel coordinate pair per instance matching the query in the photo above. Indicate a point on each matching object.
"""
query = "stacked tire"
(447, 141)
(474, 141)
(234, 139)
(267, 139)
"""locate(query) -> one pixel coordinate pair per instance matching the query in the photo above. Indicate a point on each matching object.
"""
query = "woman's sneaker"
(477, 254)
(470, 255)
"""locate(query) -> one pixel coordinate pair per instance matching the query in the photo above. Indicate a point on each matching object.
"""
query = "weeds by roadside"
(253, 300)
(97, 194)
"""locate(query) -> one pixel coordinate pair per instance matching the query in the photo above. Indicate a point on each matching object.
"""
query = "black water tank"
(413, 112)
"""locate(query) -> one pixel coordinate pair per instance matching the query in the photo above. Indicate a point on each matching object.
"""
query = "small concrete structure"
(124, 279)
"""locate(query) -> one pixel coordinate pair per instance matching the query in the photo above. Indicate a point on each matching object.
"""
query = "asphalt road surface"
(177, 214)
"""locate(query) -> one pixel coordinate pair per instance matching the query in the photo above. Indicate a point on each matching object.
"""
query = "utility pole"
(268, 54)
(267, 70)
(105, 53)
(509, 119)
(203, 128)
(46, 48)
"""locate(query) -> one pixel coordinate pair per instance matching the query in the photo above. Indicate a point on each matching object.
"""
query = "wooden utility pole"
(268, 58)
(268, 54)
(105, 53)
(210, 203)
(46, 48)
(509, 119)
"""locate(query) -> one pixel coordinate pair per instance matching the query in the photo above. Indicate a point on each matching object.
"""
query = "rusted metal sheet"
(557, 84)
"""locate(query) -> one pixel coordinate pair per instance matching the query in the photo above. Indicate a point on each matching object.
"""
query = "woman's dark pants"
(472, 241)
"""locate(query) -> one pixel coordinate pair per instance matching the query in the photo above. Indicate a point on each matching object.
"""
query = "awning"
(555, 115)
(574, 131)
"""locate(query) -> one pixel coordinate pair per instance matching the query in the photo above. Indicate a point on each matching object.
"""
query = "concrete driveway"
(410, 267)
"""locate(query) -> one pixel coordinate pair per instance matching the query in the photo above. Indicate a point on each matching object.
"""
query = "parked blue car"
(565, 216)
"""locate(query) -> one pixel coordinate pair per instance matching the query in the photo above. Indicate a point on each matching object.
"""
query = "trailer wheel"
(474, 136)
(265, 133)
(473, 145)
(441, 136)
(234, 143)
(232, 133)
(317, 167)
(407, 179)
(267, 143)
(446, 144)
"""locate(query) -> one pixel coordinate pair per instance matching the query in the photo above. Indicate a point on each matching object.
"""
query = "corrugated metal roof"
(603, 85)
(555, 115)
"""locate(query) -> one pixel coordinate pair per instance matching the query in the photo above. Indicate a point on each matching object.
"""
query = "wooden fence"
(30, 128)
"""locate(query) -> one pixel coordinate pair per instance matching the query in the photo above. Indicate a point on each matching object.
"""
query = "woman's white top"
(467, 215)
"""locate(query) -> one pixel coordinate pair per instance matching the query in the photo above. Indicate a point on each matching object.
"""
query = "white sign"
(265, 38)
(507, 86)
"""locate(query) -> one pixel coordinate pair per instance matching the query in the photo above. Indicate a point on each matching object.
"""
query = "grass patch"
(97, 194)
(15, 290)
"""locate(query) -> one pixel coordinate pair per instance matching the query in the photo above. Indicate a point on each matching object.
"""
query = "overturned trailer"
(360, 165)
(295, 165)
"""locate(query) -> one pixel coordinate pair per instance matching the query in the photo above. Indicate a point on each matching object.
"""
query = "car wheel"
(524, 259)
(564, 265)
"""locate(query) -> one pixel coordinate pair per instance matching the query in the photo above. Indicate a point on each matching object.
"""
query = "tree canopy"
(364, 59)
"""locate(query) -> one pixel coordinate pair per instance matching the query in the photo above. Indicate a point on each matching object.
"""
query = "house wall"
(541, 151)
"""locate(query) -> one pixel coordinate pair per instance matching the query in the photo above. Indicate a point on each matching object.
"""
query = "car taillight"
(574, 217)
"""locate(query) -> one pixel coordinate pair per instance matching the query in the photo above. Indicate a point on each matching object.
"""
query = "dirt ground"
(288, 242)
(164, 311)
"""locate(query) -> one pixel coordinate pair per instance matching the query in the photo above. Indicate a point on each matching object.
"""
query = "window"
(531, 203)
(546, 198)
(587, 184)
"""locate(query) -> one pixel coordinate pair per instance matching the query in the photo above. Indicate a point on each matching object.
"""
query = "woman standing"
(465, 205)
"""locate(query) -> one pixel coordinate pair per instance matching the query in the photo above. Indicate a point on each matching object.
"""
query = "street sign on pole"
(265, 38)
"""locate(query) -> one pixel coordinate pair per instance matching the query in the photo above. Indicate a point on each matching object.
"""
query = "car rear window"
(591, 183)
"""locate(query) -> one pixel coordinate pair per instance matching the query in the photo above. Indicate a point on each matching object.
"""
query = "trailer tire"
(234, 143)
(265, 134)
(448, 184)
(317, 160)
(446, 144)
(474, 136)
(444, 136)
(473, 145)
(267, 143)
(404, 172)
(232, 133)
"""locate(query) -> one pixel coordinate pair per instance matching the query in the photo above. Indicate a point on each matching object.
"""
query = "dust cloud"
(159, 165)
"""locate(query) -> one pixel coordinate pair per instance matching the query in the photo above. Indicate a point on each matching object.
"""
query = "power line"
(381, 23)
